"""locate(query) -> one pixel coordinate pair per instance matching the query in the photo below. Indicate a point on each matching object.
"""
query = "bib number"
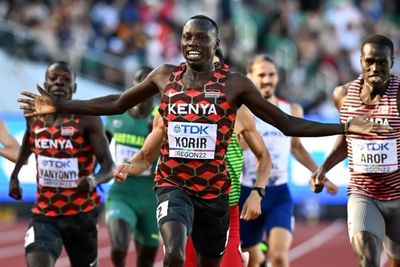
(192, 140)
(374, 156)
(55, 172)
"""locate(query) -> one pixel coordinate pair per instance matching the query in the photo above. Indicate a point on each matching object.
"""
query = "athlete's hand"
(37, 104)
(317, 180)
(362, 125)
(15, 191)
(252, 207)
(86, 184)
(121, 172)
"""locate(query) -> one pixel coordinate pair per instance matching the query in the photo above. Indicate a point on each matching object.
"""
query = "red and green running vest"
(198, 123)
(63, 155)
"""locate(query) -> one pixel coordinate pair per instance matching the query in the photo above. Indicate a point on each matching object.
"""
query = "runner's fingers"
(29, 94)
(26, 101)
(27, 107)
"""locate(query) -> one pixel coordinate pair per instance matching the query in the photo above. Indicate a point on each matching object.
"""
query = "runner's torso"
(374, 161)
(198, 124)
(129, 134)
(63, 155)
(278, 146)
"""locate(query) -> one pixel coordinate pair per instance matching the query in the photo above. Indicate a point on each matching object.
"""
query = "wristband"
(128, 162)
(92, 180)
(347, 126)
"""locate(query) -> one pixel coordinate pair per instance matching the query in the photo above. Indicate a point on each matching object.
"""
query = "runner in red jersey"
(374, 188)
(200, 203)
(66, 148)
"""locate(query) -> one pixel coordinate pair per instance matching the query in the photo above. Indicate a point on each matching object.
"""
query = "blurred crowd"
(315, 42)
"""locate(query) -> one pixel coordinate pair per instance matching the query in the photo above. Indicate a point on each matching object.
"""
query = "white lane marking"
(317, 240)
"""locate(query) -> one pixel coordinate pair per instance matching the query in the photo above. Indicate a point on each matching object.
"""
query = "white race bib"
(54, 172)
(192, 140)
(374, 156)
(124, 153)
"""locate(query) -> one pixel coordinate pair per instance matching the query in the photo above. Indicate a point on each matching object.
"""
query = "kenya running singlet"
(62, 157)
(374, 161)
(199, 124)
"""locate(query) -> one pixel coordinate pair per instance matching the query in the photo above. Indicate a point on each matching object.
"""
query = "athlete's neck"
(372, 94)
(196, 78)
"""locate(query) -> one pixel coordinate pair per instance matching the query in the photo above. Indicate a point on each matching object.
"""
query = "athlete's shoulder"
(339, 94)
(165, 68)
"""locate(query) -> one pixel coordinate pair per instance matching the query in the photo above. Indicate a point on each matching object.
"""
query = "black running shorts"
(78, 234)
(207, 220)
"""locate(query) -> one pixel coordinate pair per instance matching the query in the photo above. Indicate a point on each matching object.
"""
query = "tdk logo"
(374, 147)
(191, 129)
(56, 164)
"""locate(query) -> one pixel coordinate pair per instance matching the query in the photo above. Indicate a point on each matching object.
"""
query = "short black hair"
(206, 18)
(378, 39)
(258, 58)
(63, 64)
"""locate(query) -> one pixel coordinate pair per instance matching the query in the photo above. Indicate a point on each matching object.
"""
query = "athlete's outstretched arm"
(246, 93)
(15, 190)
(44, 103)
(245, 127)
(11, 146)
(142, 160)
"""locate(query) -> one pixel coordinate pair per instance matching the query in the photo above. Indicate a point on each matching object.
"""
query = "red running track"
(315, 245)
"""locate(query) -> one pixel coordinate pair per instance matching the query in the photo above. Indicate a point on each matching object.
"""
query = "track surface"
(324, 244)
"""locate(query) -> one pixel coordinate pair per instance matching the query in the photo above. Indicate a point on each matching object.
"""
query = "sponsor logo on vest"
(191, 129)
(184, 109)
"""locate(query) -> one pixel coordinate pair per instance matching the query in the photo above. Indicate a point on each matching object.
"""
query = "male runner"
(244, 129)
(373, 206)
(276, 220)
(66, 148)
(198, 107)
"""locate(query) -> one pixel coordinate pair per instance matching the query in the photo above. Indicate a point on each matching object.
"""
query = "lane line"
(317, 240)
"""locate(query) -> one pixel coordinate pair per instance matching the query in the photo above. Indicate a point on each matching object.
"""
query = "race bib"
(192, 140)
(54, 172)
(124, 153)
(374, 156)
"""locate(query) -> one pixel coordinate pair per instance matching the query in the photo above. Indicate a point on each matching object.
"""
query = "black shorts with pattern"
(78, 234)
(207, 220)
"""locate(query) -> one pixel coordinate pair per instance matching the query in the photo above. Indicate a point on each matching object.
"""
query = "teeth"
(194, 53)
